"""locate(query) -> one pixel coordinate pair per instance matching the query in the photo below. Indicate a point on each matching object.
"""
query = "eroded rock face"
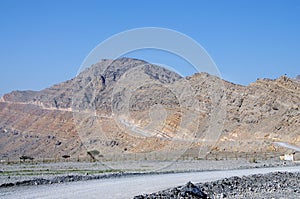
(143, 107)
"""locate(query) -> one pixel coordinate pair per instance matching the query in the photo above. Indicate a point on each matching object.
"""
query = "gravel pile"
(61, 179)
(272, 185)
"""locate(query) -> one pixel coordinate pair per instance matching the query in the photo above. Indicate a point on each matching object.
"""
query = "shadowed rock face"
(131, 104)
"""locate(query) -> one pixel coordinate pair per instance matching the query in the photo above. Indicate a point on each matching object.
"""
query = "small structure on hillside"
(291, 157)
(287, 157)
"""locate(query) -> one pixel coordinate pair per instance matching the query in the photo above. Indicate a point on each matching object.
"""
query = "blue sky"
(45, 42)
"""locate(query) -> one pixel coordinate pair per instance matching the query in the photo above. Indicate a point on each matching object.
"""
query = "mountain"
(129, 106)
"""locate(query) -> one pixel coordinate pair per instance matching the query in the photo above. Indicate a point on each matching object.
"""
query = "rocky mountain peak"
(111, 70)
(92, 87)
(254, 116)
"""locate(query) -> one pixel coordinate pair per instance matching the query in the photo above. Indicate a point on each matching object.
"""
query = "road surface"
(289, 146)
(127, 187)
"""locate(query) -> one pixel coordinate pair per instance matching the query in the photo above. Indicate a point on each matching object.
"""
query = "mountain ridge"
(66, 118)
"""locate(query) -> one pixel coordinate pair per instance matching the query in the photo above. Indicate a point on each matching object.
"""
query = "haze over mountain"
(128, 106)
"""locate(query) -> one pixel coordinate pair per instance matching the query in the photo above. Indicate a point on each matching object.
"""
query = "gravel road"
(128, 186)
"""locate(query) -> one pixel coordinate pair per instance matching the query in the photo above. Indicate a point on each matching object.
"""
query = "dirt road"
(127, 187)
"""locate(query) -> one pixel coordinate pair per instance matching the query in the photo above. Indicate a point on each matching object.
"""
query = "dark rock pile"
(187, 191)
(62, 179)
(272, 185)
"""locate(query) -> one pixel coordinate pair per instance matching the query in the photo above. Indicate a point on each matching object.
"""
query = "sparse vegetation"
(25, 157)
(66, 156)
(93, 154)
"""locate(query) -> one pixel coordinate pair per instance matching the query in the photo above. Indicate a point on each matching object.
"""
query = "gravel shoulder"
(271, 185)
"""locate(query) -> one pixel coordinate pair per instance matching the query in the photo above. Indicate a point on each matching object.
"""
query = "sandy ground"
(18, 172)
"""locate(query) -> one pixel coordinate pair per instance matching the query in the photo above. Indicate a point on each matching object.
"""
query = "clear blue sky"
(45, 42)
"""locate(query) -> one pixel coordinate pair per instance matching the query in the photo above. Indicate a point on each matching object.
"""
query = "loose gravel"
(268, 186)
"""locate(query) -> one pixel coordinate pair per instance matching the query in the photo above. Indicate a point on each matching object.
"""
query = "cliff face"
(261, 113)
(128, 105)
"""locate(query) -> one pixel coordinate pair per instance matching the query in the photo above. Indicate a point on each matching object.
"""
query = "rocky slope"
(128, 106)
